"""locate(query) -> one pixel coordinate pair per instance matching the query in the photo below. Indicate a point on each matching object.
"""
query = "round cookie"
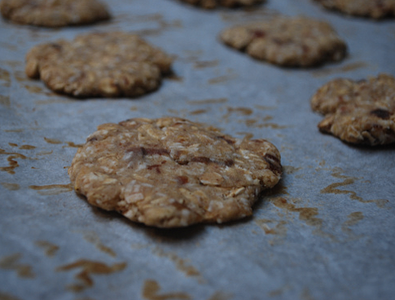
(54, 13)
(112, 64)
(209, 4)
(358, 112)
(171, 172)
(287, 41)
(365, 8)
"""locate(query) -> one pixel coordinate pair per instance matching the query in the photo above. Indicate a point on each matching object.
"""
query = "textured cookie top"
(359, 112)
(54, 13)
(286, 41)
(366, 8)
(99, 64)
(225, 3)
(171, 172)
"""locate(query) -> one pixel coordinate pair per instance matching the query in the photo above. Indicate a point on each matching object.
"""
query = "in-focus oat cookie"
(376, 9)
(112, 64)
(171, 172)
(54, 13)
(225, 3)
(358, 112)
(287, 41)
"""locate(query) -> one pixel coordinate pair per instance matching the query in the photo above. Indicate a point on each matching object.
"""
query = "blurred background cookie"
(287, 41)
(112, 64)
(364, 8)
(358, 112)
(54, 13)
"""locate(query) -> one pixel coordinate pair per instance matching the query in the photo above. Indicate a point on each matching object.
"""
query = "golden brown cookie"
(287, 41)
(365, 8)
(171, 172)
(112, 64)
(54, 13)
(358, 112)
(209, 4)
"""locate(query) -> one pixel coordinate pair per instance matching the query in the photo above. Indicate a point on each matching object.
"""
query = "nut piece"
(286, 41)
(112, 64)
(171, 172)
(364, 8)
(358, 112)
(54, 13)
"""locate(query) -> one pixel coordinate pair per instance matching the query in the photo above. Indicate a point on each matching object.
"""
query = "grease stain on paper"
(52, 141)
(27, 147)
(348, 180)
(346, 68)
(49, 248)
(11, 186)
(205, 64)
(5, 101)
(198, 112)
(221, 79)
(220, 296)
(352, 219)
(5, 76)
(92, 238)
(151, 291)
(89, 268)
(4, 296)
(52, 189)
(208, 101)
(11, 262)
(11, 161)
(181, 264)
(72, 145)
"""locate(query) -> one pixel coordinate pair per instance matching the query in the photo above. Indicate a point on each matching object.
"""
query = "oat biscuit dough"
(358, 112)
(54, 13)
(113, 64)
(209, 4)
(171, 172)
(375, 9)
(287, 41)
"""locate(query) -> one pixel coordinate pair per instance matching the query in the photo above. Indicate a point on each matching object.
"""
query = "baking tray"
(325, 232)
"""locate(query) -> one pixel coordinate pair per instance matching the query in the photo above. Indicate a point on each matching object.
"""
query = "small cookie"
(225, 3)
(110, 64)
(358, 112)
(286, 41)
(171, 172)
(54, 13)
(375, 9)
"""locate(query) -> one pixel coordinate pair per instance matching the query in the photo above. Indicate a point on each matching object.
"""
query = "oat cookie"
(365, 8)
(171, 172)
(112, 64)
(287, 41)
(54, 13)
(358, 112)
(225, 3)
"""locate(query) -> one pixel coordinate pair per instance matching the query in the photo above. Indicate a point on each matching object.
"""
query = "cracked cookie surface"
(209, 4)
(112, 64)
(358, 112)
(375, 9)
(287, 41)
(171, 172)
(54, 13)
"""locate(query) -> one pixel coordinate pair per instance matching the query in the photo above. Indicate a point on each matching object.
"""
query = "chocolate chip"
(153, 151)
(201, 159)
(381, 113)
(259, 33)
(274, 163)
(182, 179)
